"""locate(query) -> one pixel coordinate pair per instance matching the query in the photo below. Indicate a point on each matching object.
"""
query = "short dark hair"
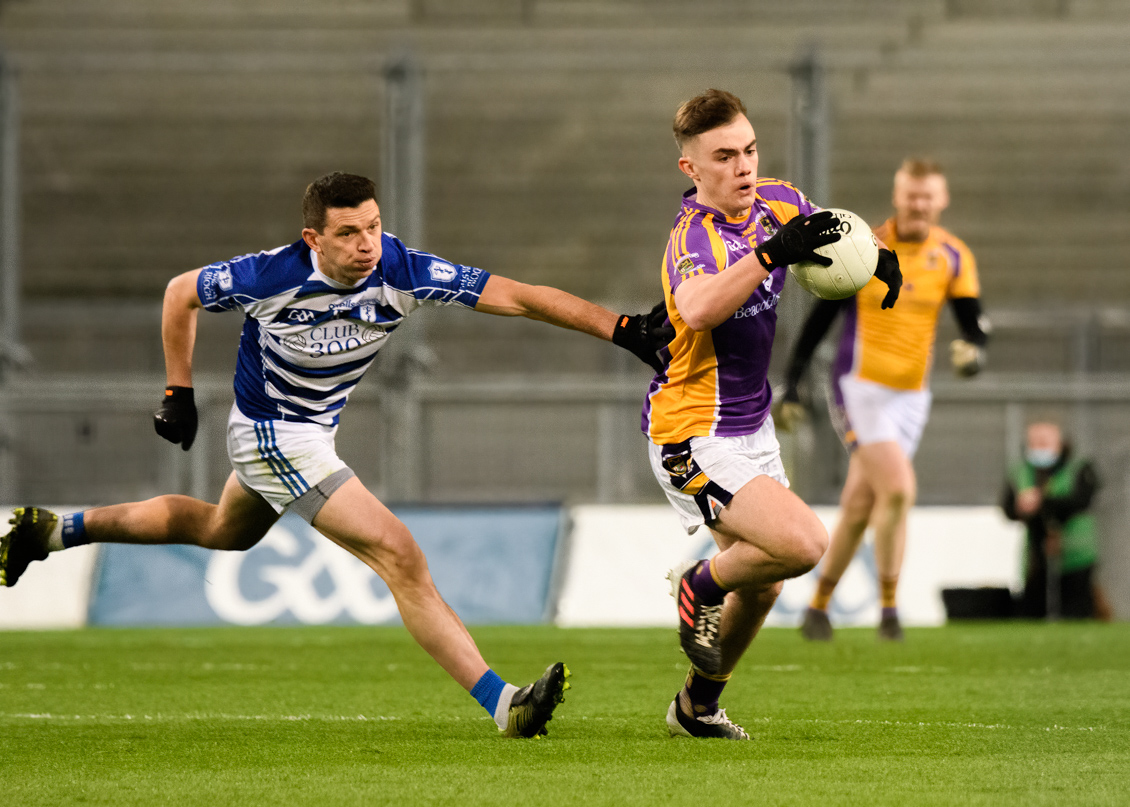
(334, 190)
(704, 112)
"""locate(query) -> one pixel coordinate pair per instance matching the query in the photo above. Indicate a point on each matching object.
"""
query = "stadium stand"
(161, 137)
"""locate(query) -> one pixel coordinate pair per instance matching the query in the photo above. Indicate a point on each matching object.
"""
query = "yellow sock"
(823, 595)
(887, 588)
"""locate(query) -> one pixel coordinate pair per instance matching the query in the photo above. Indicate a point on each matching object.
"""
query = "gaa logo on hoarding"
(294, 574)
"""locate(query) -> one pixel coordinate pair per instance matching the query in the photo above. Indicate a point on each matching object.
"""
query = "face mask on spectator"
(1041, 457)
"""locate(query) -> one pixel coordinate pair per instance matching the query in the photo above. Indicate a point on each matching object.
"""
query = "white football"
(854, 258)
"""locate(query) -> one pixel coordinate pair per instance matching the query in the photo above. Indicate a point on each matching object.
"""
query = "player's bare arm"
(178, 327)
(706, 301)
(796, 241)
(509, 298)
(176, 420)
(641, 334)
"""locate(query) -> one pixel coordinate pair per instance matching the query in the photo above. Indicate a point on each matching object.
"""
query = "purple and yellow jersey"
(896, 347)
(714, 382)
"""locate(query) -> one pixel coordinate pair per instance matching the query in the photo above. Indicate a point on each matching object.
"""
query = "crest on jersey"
(767, 225)
(442, 272)
(223, 277)
(300, 316)
(367, 312)
(677, 465)
(686, 264)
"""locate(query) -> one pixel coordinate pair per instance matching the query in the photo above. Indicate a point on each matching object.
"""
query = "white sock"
(502, 710)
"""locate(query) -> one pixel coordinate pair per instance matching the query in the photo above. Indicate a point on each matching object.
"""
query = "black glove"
(645, 334)
(798, 239)
(888, 271)
(176, 419)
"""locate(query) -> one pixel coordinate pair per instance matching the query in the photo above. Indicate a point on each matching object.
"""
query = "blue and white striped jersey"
(307, 339)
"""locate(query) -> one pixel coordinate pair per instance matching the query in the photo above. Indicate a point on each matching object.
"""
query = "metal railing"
(521, 439)
(574, 438)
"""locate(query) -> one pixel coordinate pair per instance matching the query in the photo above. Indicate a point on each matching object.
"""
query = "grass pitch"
(977, 714)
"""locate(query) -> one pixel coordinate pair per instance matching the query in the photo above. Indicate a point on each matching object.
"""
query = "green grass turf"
(975, 714)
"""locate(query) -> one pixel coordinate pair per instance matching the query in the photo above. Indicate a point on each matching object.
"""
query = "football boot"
(715, 726)
(699, 622)
(533, 704)
(25, 542)
(816, 626)
(889, 629)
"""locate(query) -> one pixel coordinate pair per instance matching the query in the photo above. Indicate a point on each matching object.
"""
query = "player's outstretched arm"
(641, 334)
(509, 298)
(176, 419)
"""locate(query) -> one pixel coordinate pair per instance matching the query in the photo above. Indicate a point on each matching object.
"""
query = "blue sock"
(74, 531)
(488, 690)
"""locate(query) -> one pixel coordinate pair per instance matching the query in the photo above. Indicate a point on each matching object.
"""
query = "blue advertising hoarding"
(493, 565)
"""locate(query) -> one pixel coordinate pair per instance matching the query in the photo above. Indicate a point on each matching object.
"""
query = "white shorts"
(701, 475)
(876, 413)
(288, 464)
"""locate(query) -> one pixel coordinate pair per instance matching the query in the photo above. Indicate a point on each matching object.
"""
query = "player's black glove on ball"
(645, 334)
(798, 239)
(176, 419)
(888, 271)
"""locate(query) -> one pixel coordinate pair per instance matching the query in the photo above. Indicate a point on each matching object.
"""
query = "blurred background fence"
(153, 138)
